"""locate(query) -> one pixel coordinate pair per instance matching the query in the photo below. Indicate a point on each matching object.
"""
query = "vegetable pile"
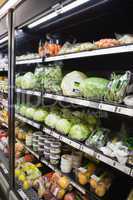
(77, 125)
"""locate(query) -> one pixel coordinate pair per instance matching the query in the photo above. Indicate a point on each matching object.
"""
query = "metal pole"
(11, 98)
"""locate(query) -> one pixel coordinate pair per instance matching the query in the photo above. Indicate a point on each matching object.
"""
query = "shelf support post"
(11, 97)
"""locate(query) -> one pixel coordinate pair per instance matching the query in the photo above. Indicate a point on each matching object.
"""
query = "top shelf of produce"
(76, 51)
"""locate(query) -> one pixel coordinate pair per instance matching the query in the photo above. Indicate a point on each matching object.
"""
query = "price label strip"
(82, 190)
(48, 131)
(23, 195)
(114, 164)
(87, 150)
(56, 135)
(107, 107)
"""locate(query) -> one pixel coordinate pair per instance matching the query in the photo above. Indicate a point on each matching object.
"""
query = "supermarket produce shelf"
(3, 123)
(84, 54)
(3, 69)
(29, 92)
(80, 146)
(4, 173)
(119, 109)
(54, 168)
(30, 122)
(27, 194)
(93, 104)
(29, 61)
(3, 92)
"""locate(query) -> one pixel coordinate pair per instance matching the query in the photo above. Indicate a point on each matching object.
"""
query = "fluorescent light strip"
(7, 6)
(58, 12)
(73, 5)
(42, 20)
(4, 39)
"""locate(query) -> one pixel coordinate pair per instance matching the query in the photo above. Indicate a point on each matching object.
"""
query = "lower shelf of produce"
(83, 190)
(26, 195)
(80, 146)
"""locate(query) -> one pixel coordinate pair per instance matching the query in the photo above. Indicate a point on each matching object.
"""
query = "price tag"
(44, 161)
(23, 195)
(51, 167)
(87, 150)
(75, 144)
(107, 107)
(46, 130)
(125, 111)
(65, 140)
(29, 92)
(56, 135)
(3, 168)
(37, 93)
(78, 187)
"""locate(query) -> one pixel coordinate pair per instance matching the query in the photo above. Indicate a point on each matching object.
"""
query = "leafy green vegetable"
(40, 115)
(94, 87)
(28, 81)
(117, 87)
(30, 112)
(79, 132)
(63, 126)
(19, 81)
(52, 77)
(129, 143)
(23, 109)
(70, 83)
(51, 120)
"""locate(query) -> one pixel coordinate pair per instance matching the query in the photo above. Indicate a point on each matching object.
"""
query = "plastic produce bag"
(117, 88)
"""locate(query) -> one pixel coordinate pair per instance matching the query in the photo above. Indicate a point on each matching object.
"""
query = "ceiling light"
(42, 20)
(3, 39)
(73, 5)
(64, 9)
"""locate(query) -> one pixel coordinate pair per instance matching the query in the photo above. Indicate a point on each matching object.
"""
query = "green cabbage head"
(51, 120)
(63, 126)
(79, 132)
(40, 115)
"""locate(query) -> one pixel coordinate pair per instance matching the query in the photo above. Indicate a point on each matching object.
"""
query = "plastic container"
(54, 159)
(35, 147)
(47, 155)
(55, 148)
(28, 140)
(66, 163)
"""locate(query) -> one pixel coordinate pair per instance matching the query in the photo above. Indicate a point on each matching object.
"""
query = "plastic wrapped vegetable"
(28, 81)
(98, 138)
(101, 181)
(94, 87)
(51, 120)
(40, 115)
(30, 112)
(117, 87)
(70, 83)
(39, 76)
(63, 126)
(79, 132)
(52, 78)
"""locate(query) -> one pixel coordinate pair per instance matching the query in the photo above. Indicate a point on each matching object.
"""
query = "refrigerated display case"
(71, 123)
